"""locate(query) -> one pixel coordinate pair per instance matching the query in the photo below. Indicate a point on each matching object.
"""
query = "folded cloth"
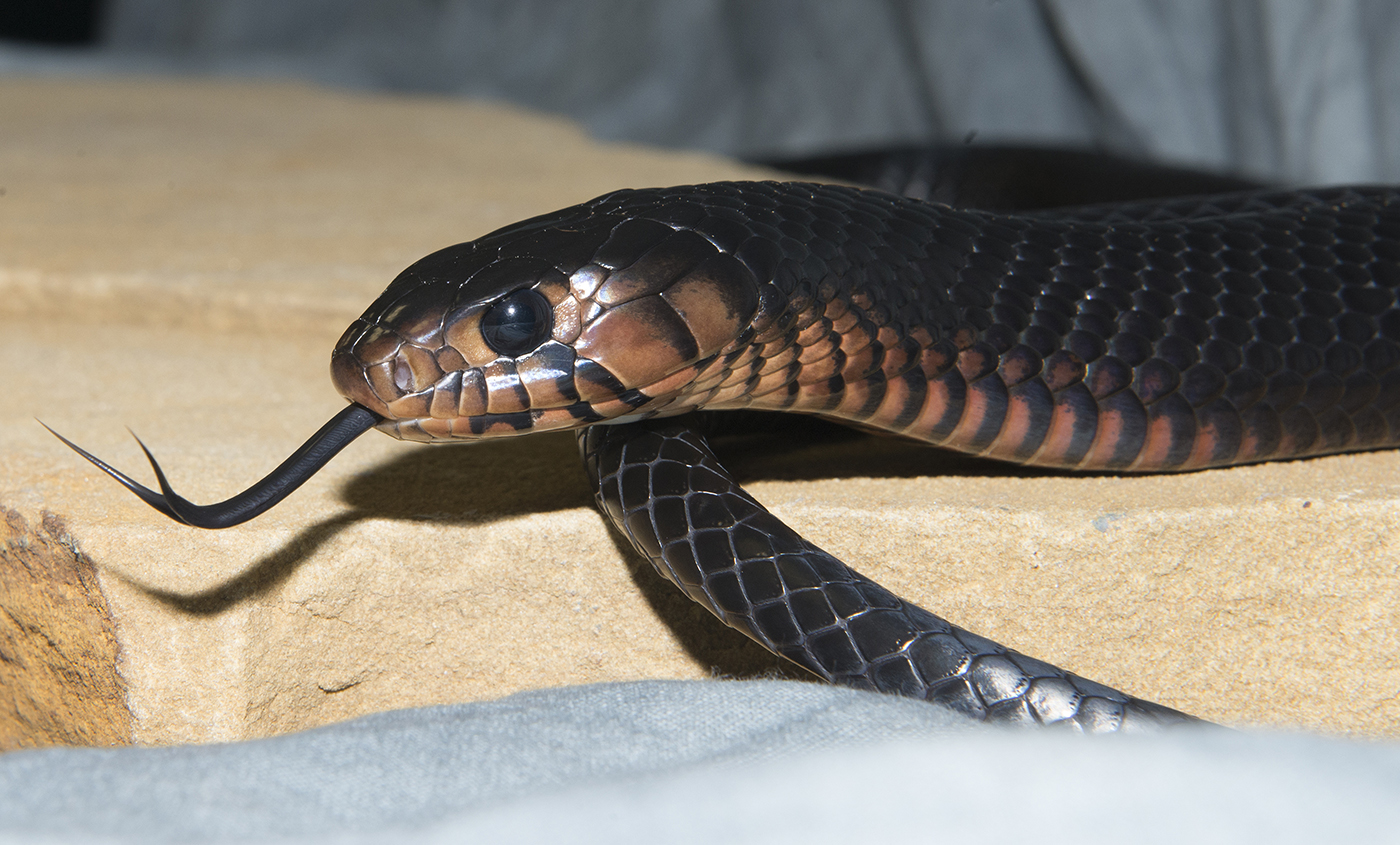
(695, 761)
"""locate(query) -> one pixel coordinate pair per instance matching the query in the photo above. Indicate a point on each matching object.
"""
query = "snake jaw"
(635, 315)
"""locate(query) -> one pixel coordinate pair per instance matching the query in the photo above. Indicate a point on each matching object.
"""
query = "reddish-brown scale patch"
(381, 381)
(844, 323)
(822, 370)
(554, 287)
(568, 321)
(450, 359)
(895, 405)
(898, 359)
(422, 327)
(714, 300)
(817, 331)
(1220, 421)
(554, 419)
(1019, 364)
(818, 348)
(1032, 406)
(1110, 431)
(678, 380)
(942, 408)
(378, 346)
(504, 392)
(463, 333)
(936, 360)
(655, 270)
(779, 361)
(822, 395)
(499, 429)
(858, 338)
(735, 378)
(544, 382)
(862, 363)
(613, 408)
(1015, 428)
(410, 407)
(977, 362)
(1156, 445)
(1073, 425)
(732, 396)
(1122, 429)
(770, 382)
(422, 367)
(435, 429)
(855, 399)
(638, 341)
(471, 398)
(444, 403)
(836, 308)
(1062, 369)
(352, 382)
(1203, 449)
(586, 279)
(963, 336)
(975, 410)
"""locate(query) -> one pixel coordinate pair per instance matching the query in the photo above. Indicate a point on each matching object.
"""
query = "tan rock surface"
(180, 258)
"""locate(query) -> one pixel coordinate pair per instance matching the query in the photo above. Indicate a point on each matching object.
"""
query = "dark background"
(1285, 90)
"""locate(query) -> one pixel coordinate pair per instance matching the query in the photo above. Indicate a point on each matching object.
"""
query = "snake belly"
(1151, 337)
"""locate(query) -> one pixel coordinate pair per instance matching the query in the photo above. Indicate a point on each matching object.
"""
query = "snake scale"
(1151, 336)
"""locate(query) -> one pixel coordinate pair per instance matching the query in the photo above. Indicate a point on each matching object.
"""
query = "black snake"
(1171, 335)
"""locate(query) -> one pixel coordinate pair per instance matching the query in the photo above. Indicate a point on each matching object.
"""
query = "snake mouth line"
(491, 426)
(305, 462)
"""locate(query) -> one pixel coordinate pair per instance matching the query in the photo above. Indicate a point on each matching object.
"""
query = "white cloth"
(704, 762)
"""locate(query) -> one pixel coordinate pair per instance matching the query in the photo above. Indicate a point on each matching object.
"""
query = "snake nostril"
(403, 376)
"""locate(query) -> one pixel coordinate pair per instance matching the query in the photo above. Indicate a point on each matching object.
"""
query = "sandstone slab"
(180, 257)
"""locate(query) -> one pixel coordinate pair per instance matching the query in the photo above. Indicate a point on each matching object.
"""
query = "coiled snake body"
(1163, 336)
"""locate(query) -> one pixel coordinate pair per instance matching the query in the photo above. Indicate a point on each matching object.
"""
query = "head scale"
(598, 312)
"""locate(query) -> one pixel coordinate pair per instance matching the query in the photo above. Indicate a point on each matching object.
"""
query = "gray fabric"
(411, 766)
(753, 761)
(1302, 91)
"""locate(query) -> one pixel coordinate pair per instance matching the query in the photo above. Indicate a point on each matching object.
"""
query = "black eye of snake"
(517, 324)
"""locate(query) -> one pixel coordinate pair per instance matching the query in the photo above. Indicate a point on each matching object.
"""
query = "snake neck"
(1167, 336)
(1162, 336)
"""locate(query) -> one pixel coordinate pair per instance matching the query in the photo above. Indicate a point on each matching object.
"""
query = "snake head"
(591, 314)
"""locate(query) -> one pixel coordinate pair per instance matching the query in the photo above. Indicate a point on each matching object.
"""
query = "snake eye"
(517, 324)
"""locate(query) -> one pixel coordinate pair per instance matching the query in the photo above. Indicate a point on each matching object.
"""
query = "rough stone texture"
(181, 257)
(58, 644)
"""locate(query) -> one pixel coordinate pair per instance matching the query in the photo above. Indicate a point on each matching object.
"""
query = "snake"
(1155, 336)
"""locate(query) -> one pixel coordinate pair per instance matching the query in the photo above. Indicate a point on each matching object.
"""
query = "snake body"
(1173, 336)
(1164, 336)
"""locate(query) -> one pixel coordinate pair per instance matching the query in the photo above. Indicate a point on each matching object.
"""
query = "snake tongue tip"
(146, 494)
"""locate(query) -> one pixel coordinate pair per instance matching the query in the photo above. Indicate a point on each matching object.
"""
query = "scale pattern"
(660, 484)
(1155, 337)
(1150, 337)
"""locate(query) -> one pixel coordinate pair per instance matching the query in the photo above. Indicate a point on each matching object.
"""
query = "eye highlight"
(517, 324)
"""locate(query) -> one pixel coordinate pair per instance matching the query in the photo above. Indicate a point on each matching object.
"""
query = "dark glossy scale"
(1156, 336)
(1150, 336)
(662, 487)
(1204, 332)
